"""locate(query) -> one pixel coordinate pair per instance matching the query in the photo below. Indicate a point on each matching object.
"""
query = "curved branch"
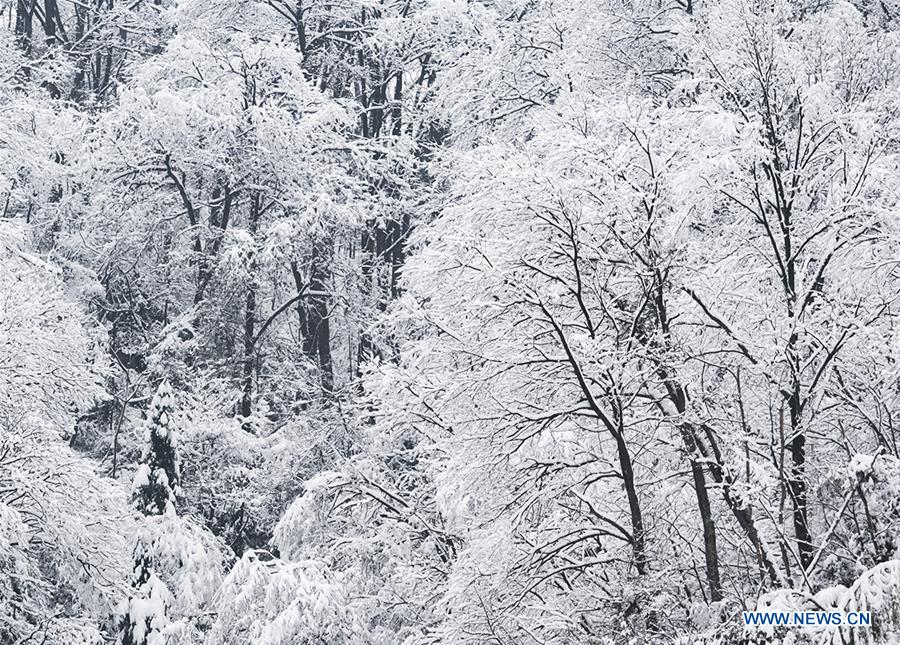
(300, 294)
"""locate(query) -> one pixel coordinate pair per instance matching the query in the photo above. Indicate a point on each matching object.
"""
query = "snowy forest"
(457, 322)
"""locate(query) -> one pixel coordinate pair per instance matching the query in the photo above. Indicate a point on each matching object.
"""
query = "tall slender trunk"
(77, 93)
(368, 246)
(314, 316)
(249, 326)
(782, 205)
(615, 426)
(24, 29)
(711, 453)
(51, 18)
(710, 543)
(797, 479)
(679, 397)
(300, 27)
(247, 367)
(639, 547)
(710, 546)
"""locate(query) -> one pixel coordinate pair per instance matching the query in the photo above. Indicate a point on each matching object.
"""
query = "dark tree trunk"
(300, 26)
(77, 93)
(249, 352)
(741, 511)
(639, 547)
(797, 484)
(710, 543)
(797, 480)
(25, 28)
(51, 18)
(679, 397)
(313, 315)
(710, 547)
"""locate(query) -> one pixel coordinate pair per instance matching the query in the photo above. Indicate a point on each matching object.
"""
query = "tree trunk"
(710, 543)
(797, 484)
(51, 17)
(249, 327)
(313, 315)
(24, 27)
(679, 397)
(710, 547)
(641, 559)
(740, 510)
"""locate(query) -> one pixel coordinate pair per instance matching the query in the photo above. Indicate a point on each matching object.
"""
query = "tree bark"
(249, 351)
(313, 315)
(710, 543)
(24, 27)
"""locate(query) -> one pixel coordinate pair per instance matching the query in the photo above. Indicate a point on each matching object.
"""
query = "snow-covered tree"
(157, 478)
(521, 321)
(177, 565)
(63, 525)
(600, 372)
(153, 493)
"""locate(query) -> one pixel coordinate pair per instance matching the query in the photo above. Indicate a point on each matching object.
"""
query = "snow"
(448, 322)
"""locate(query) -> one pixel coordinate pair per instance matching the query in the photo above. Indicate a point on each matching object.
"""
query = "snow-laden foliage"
(636, 329)
(178, 566)
(269, 601)
(423, 322)
(178, 570)
(155, 483)
(63, 550)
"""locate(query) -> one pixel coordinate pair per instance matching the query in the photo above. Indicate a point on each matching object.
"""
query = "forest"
(448, 322)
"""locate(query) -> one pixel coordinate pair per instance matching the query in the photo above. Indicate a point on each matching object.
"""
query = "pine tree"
(156, 480)
(153, 494)
(143, 616)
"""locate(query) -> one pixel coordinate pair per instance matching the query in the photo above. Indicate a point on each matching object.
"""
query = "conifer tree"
(153, 494)
(144, 613)
(156, 480)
